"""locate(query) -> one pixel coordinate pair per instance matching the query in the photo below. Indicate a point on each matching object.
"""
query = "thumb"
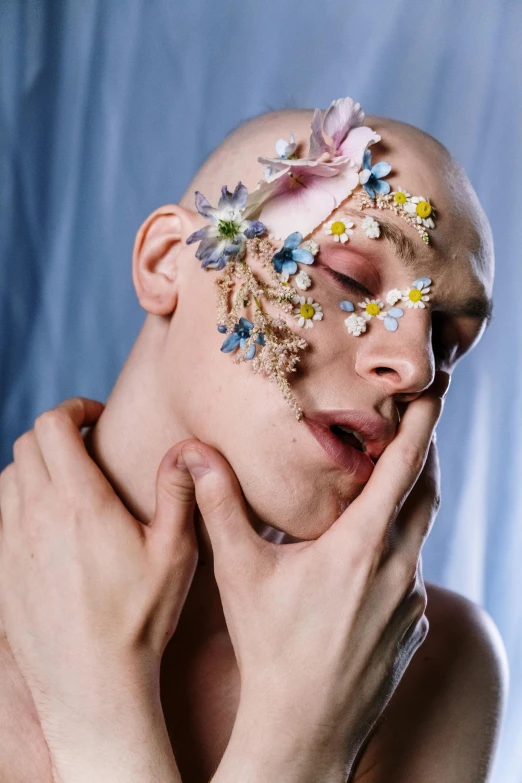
(221, 503)
(175, 502)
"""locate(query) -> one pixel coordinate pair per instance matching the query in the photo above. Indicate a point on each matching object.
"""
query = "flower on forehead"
(341, 230)
(307, 311)
(239, 336)
(372, 308)
(415, 296)
(285, 149)
(303, 281)
(355, 324)
(393, 296)
(371, 227)
(229, 231)
(400, 196)
(371, 176)
(421, 209)
(302, 192)
(287, 257)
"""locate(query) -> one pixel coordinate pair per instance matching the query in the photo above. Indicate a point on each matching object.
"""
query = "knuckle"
(413, 456)
(51, 420)
(21, 442)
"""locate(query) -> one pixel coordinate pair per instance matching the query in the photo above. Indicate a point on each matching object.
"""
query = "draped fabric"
(108, 107)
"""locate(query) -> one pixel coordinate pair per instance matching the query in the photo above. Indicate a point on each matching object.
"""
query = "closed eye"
(348, 282)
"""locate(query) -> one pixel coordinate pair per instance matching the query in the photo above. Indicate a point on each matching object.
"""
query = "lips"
(344, 450)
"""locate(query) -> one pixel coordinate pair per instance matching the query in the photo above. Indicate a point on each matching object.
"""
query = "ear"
(155, 260)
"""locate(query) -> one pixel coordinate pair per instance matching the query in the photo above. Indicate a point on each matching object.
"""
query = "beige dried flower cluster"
(387, 201)
(239, 289)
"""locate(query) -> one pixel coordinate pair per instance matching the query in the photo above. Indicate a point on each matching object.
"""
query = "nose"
(402, 361)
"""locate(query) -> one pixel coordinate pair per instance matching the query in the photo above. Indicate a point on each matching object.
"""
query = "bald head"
(420, 164)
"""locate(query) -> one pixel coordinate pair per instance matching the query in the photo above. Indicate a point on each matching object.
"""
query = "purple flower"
(229, 231)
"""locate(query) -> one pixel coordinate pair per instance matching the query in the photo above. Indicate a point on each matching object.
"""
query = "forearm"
(286, 748)
(123, 740)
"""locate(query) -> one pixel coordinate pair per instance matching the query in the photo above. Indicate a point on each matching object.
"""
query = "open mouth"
(349, 437)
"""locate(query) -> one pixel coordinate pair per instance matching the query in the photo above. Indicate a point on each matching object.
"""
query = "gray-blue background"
(107, 108)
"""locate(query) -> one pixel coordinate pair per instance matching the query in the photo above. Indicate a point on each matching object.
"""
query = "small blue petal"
(422, 282)
(222, 328)
(260, 338)
(239, 196)
(203, 206)
(197, 236)
(242, 342)
(381, 169)
(244, 323)
(293, 240)
(369, 188)
(230, 343)
(251, 352)
(278, 259)
(290, 267)
(347, 306)
(396, 312)
(380, 186)
(302, 256)
(391, 324)
(255, 229)
(367, 160)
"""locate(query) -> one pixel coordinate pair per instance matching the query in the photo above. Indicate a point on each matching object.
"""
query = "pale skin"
(294, 719)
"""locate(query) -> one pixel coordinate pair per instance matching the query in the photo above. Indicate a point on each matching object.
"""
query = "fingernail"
(441, 383)
(194, 461)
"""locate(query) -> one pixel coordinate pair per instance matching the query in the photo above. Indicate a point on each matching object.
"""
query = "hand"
(323, 630)
(89, 596)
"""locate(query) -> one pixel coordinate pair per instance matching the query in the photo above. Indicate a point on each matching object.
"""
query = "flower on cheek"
(372, 308)
(355, 324)
(303, 280)
(229, 231)
(307, 311)
(340, 229)
(371, 176)
(393, 296)
(415, 296)
(287, 257)
(239, 336)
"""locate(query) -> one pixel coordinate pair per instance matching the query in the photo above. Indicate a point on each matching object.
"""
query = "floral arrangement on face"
(296, 196)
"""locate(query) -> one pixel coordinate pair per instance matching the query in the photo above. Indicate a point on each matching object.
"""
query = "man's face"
(293, 480)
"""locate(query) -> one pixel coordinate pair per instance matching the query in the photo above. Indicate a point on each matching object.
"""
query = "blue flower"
(239, 336)
(229, 231)
(286, 257)
(390, 319)
(370, 176)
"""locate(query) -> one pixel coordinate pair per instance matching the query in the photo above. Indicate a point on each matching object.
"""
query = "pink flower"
(298, 195)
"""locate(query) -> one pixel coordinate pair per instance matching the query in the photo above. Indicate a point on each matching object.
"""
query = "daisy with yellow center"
(306, 311)
(340, 229)
(415, 296)
(400, 196)
(372, 308)
(422, 210)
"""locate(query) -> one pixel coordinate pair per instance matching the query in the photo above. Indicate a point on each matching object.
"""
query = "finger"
(398, 468)
(173, 522)
(62, 445)
(9, 501)
(418, 513)
(222, 506)
(31, 471)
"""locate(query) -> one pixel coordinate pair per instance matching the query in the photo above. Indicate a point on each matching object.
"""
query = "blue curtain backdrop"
(107, 109)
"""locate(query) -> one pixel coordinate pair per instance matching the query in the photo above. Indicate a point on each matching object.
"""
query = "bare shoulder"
(443, 721)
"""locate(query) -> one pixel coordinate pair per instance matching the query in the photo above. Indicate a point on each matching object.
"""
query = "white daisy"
(372, 308)
(340, 229)
(355, 324)
(421, 208)
(393, 296)
(303, 280)
(371, 228)
(307, 311)
(309, 245)
(401, 197)
(415, 296)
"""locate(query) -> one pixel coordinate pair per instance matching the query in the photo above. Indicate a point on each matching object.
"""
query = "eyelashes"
(348, 282)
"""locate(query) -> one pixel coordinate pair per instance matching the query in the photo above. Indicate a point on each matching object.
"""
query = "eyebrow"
(406, 251)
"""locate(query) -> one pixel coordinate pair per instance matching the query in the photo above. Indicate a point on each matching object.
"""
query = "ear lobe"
(157, 248)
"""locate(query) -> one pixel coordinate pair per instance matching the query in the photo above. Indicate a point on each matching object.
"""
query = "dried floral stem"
(282, 346)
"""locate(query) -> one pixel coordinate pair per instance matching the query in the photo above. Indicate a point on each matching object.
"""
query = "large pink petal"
(342, 115)
(355, 144)
(288, 206)
(318, 143)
